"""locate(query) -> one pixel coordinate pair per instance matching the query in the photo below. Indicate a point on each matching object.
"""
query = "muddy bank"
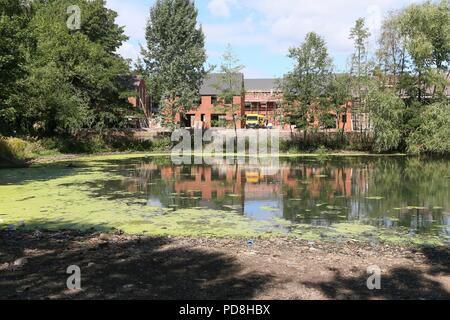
(114, 266)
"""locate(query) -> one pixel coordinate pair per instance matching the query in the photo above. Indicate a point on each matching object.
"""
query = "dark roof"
(212, 82)
(265, 85)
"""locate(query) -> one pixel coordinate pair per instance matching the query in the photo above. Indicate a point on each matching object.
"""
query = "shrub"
(433, 134)
(386, 116)
(16, 149)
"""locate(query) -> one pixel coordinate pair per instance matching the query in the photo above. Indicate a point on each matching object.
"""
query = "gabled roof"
(265, 85)
(212, 84)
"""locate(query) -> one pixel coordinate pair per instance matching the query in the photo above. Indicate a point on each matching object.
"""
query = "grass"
(16, 152)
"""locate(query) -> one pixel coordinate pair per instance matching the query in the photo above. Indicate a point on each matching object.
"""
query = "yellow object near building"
(255, 121)
(252, 177)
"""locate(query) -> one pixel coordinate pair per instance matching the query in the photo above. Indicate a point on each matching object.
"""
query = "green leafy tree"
(14, 17)
(175, 57)
(432, 135)
(427, 36)
(139, 67)
(393, 59)
(304, 87)
(386, 116)
(359, 63)
(339, 95)
(230, 85)
(72, 77)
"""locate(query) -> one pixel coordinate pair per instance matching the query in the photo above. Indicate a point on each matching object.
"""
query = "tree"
(304, 87)
(426, 28)
(72, 76)
(360, 35)
(230, 85)
(339, 96)
(139, 67)
(392, 53)
(13, 20)
(360, 67)
(432, 135)
(175, 56)
(386, 116)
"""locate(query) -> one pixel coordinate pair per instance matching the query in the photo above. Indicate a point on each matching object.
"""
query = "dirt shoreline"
(113, 266)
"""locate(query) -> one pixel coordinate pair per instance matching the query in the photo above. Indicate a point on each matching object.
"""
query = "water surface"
(376, 198)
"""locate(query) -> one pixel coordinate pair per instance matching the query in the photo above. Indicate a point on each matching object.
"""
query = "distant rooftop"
(212, 84)
(265, 85)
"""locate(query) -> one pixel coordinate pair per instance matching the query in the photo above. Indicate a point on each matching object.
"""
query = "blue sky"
(261, 31)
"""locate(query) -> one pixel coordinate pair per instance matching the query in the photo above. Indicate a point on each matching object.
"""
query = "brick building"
(258, 96)
(209, 114)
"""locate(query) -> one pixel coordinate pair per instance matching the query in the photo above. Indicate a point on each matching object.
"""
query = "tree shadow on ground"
(118, 267)
(400, 283)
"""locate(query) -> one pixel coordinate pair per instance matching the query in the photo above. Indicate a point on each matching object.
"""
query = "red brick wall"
(207, 109)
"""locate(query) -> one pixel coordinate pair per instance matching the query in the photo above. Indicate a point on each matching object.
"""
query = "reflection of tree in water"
(381, 191)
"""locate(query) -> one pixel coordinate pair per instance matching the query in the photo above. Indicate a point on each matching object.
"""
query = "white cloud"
(268, 25)
(221, 8)
(281, 24)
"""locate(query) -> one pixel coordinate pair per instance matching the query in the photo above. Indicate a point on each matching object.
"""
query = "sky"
(262, 31)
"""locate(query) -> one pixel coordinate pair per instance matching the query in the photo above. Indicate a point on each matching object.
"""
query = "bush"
(433, 134)
(16, 149)
(386, 116)
(314, 141)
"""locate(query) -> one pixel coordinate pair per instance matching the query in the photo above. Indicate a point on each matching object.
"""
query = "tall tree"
(339, 96)
(360, 73)
(386, 111)
(230, 84)
(14, 17)
(305, 86)
(175, 56)
(360, 35)
(72, 76)
(392, 54)
(360, 69)
(426, 28)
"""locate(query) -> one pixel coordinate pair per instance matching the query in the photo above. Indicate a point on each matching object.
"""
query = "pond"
(389, 199)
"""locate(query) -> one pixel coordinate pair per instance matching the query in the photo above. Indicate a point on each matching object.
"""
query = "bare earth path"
(33, 266)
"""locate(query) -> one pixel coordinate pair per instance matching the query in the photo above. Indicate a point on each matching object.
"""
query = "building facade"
(257, 96)
(211, 113)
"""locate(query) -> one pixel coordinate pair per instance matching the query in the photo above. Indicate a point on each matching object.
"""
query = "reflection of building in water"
(208, 182)
(251, 182)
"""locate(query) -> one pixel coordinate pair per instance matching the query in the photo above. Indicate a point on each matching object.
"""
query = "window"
(228, 100)
(218, 120)
(213, 99)
(344, 118)
(203, 117)
(248, 106)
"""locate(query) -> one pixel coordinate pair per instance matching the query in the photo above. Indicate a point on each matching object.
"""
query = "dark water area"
(386, 192)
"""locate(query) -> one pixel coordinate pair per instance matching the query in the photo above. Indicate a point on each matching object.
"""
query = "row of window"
(260, 106)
